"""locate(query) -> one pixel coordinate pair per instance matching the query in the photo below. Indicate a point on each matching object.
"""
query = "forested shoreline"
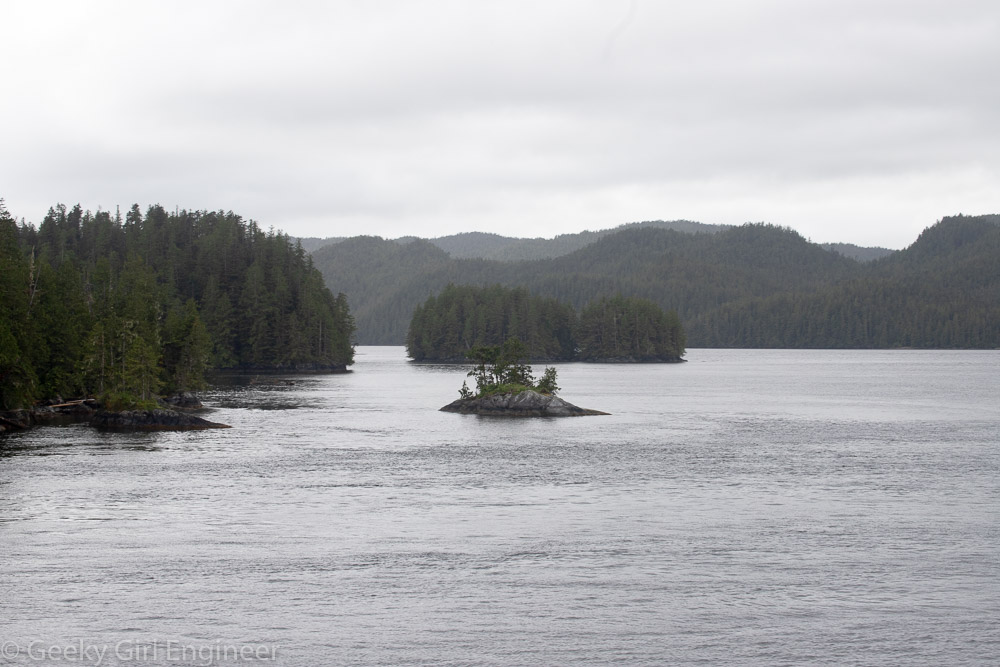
(130, 307)
(466, 317)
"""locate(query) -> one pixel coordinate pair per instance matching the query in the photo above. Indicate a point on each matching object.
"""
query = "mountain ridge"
(713, 281)
(489, 245)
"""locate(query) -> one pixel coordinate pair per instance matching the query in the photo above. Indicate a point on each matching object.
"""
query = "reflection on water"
(748, 507)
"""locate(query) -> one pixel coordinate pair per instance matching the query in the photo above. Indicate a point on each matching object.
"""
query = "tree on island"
(502, 369)
(507, 387)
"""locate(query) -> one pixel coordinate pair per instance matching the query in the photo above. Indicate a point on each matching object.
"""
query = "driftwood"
(70, 404)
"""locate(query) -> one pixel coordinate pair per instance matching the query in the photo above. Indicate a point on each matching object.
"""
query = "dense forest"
(941, 292)
(462, 318)
(755, 285)
(129, 308)
(628, 329)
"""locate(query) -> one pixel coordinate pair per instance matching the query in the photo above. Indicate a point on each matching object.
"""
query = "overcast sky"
(858, 121)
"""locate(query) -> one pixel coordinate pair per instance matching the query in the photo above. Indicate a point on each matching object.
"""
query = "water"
(747, 507)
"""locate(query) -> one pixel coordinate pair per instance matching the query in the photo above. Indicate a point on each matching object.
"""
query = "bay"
(752, 507)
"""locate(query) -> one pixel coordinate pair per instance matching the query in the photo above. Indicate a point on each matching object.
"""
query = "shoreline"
(174, 413)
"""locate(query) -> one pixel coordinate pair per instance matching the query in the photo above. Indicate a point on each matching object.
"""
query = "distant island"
(610, 329)
(506, 387)
(121, 311)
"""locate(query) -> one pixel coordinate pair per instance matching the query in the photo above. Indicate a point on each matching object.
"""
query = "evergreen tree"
(629, 329)
(503, 368)
(18, 382)
(187, 348)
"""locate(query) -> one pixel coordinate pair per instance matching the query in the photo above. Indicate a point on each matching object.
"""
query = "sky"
(852, 121)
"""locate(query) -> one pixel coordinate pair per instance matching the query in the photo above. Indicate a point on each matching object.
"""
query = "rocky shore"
(526, 403)
(150, 420)
(174, 415)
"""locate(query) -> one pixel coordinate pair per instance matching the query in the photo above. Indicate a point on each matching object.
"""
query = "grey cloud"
(432, 117)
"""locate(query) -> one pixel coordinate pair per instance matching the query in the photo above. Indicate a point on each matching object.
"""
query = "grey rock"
(15, 420)
(69, 412)
(522, 404)
(150, 420)
(184, 400)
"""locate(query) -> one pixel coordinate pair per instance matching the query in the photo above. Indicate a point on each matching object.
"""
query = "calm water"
(748, 507)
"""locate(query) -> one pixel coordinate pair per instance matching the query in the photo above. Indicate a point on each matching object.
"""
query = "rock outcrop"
(64, 412)
(88, 410)
(150, 420)
(15, 420)
(51, 413)
(522, 404)
(185, 400)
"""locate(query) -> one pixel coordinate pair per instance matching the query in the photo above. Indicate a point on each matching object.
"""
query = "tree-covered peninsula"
(128, 308)
(464, 317)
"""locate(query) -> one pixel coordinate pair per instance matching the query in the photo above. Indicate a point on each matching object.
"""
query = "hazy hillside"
(383, 281)
(750, 286)
(686, 272)
(941, 292)
(862, 254)
(312, 243)
(483, 245)
(493, 246)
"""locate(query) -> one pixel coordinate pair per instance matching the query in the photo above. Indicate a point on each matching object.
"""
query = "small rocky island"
(507, 388)
(524, 403)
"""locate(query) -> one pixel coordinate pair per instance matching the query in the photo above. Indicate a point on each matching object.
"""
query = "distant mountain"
(385, 280)
(312, 243)
(480, 245)
(483, 245)
(941, 292)
(859, 253)
(750, 286)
